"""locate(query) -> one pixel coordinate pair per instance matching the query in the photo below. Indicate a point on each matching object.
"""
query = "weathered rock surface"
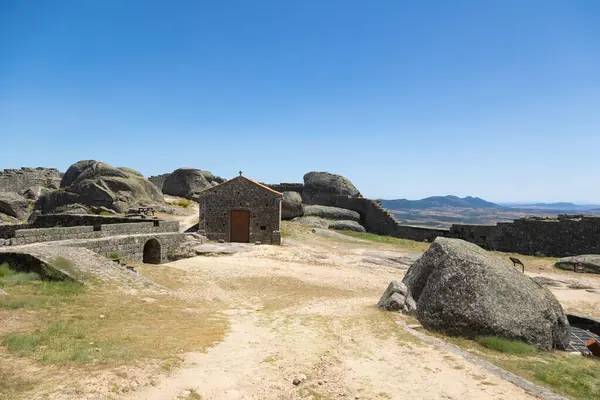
(346, 226)
(96, 184)
(328, 212)
(322, 187)
(200, 247)
(14, 205)
(184, 182)
(35, 192)
(590, 263)
(461, 289)
(291, 206)
(313, 222)
(396, 298)
(3, 293)
(336, 235)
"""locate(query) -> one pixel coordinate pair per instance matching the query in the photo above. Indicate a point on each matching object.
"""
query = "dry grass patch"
(112, 329)
(571, 375)
(12, 384)
(172, 278)
(93, 329)
(397, 243)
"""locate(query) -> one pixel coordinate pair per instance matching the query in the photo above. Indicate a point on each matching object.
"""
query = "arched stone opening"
(152, 252)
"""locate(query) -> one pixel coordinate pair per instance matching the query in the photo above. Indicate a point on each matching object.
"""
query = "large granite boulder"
(94, 185)
(184, 182)
(291, 206)
(589, 263)
(346, 226)
(322, 187)
(334, 213)
(14, 205)
(461, 289)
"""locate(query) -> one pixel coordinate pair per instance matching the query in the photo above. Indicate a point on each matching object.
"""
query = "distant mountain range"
(439, 202)
(443, 211)
(559, 206)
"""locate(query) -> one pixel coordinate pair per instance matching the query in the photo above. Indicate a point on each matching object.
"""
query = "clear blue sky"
(497, 99)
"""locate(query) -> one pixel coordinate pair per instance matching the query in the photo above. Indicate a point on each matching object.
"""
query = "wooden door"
(240, 226)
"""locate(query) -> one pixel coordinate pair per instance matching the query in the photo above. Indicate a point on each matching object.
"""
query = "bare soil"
(303, 310)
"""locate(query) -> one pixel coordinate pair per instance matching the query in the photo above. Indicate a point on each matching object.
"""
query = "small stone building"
(241, 210)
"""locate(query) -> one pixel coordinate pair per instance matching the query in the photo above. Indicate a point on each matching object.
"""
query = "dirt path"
(309, 310)
(260, 358)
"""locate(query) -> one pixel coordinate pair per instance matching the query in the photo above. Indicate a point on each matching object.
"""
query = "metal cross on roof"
(240, 173)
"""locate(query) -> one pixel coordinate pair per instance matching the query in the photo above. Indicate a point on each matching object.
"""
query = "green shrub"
(106, 213)
(114, 255)
(20, 277)
(10, 277)
(506, 346)
(60, 288)
(6, 270)
(184, 203)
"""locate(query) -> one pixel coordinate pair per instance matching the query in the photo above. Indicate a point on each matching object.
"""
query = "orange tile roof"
(248, 179)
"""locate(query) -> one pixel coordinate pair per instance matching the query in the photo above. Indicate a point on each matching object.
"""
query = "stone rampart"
(159, 180)
(16, 180)
(286, 187)
(565, 235)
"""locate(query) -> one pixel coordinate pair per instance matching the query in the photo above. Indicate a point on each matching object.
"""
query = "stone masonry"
(16, 180)
(129, 240)
(159, 180)
(565, 235)
(218, 203)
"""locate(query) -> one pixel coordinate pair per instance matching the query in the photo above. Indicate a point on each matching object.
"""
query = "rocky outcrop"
(14, 205)
(346, 226)
(35, 192)
(586, 262)
(461, 289)
(396, 298)
(333, 213)
(313, 222)
(93, 184)
(291, 206)
(185, 182)
(322, 187)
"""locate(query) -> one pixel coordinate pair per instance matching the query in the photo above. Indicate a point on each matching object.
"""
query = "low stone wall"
(54, 220)
(131, 247)
(8, 231)
(565, 235)
(40, 235)
(28, 236)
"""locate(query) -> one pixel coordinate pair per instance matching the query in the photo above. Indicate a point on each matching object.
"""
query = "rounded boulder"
(462, 290)
(184, 182)
(322, 187)
(291, 206)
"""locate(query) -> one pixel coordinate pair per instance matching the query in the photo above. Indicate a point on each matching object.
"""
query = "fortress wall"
(563, 236)
(159, 180)
(16, 180)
